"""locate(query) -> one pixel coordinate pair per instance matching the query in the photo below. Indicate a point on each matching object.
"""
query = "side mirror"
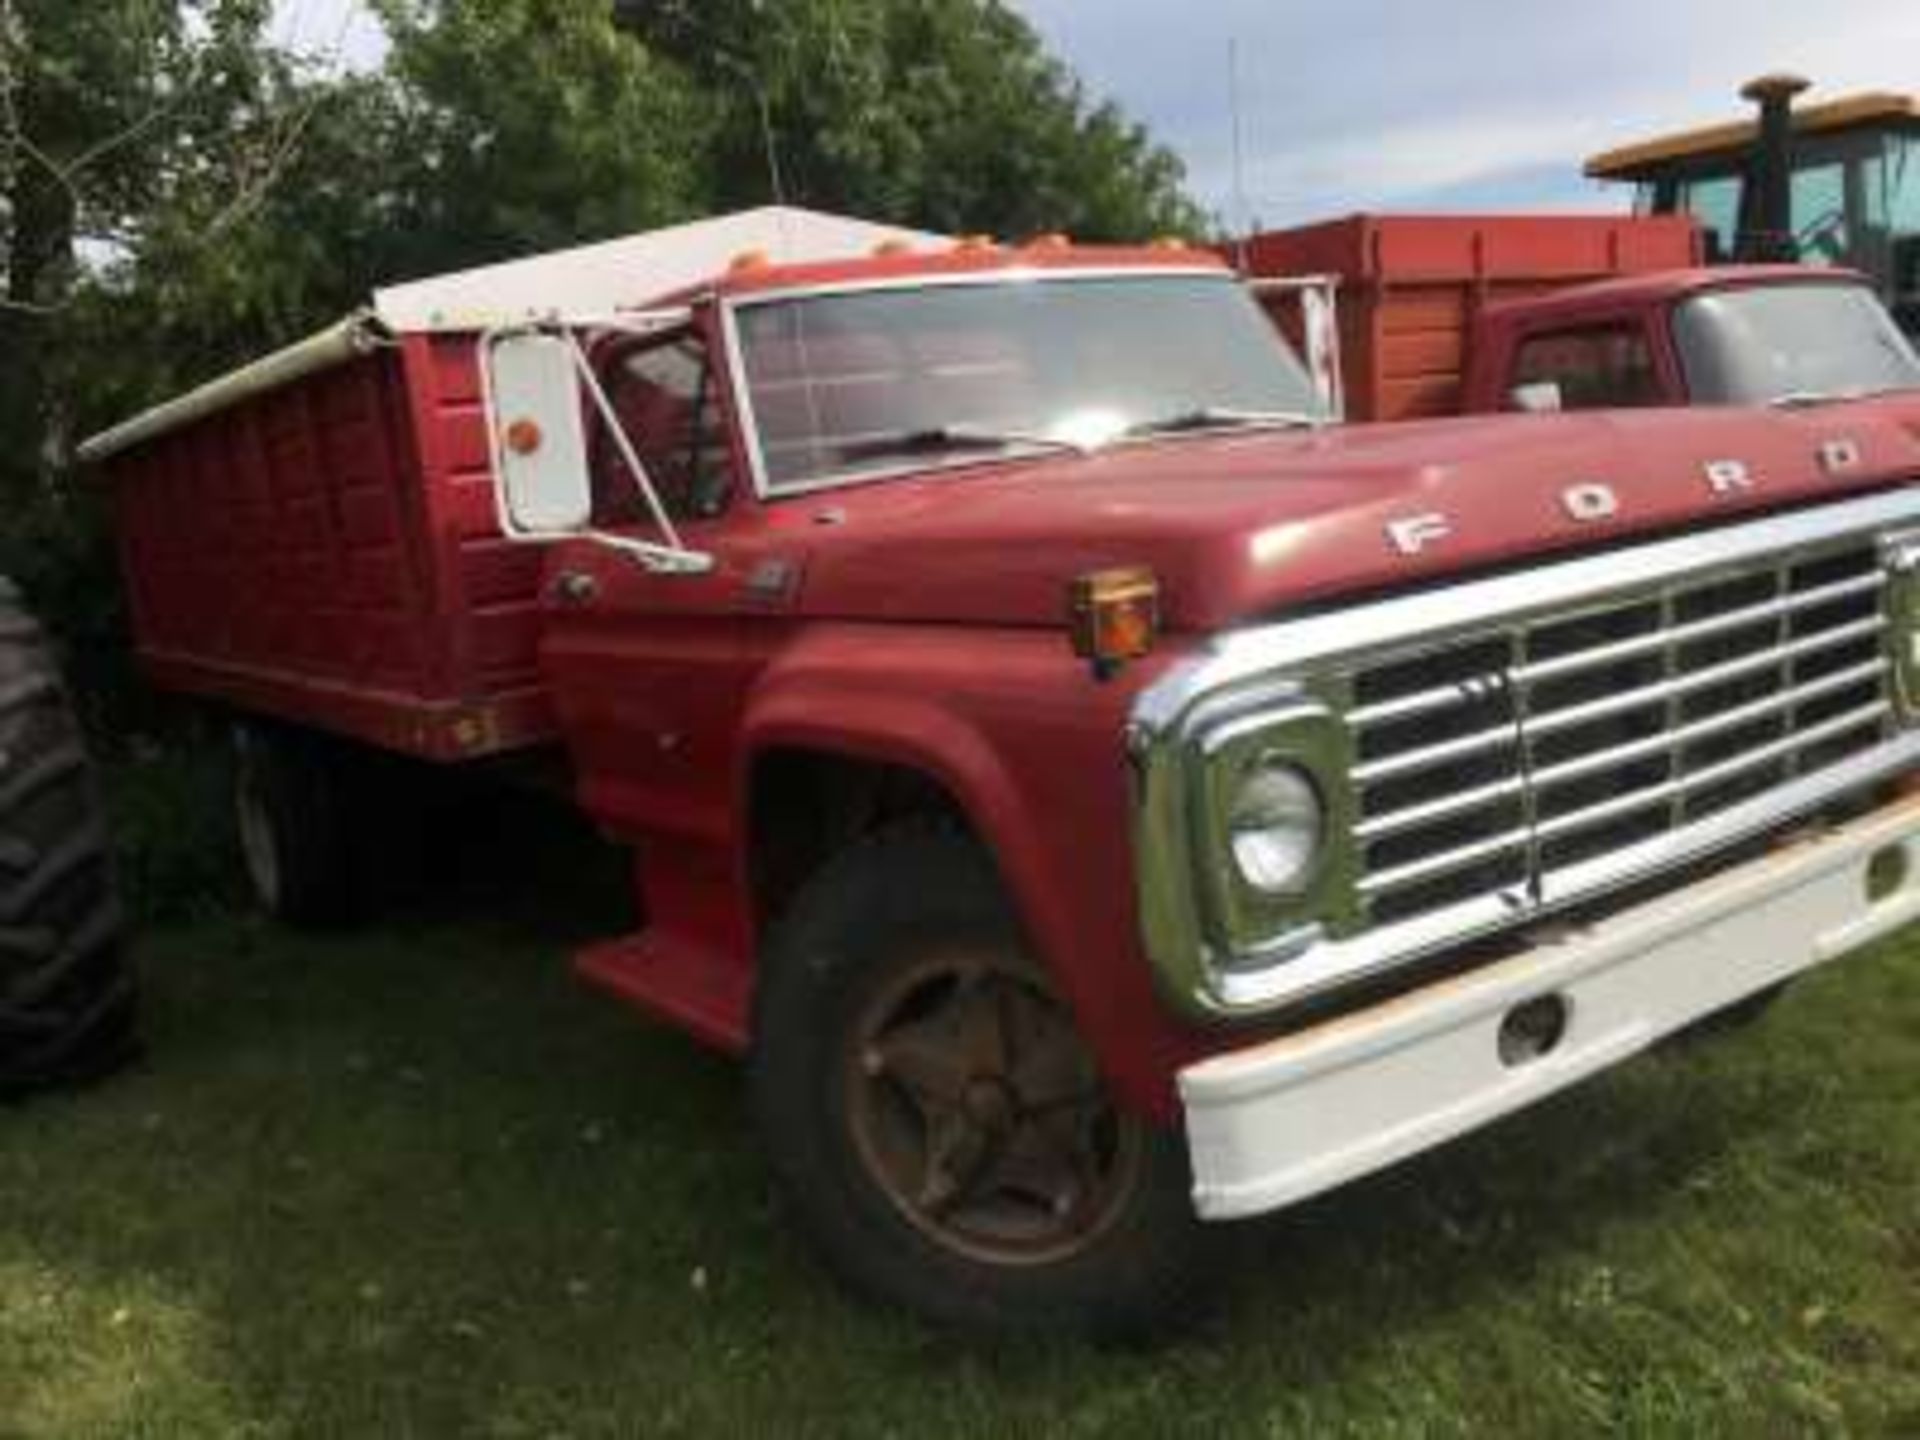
(539, 440)
(1537, 397)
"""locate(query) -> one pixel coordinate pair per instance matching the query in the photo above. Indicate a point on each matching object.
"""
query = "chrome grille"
(1502, 762)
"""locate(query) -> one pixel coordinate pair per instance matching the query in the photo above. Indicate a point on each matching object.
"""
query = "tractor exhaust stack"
(1766, 210)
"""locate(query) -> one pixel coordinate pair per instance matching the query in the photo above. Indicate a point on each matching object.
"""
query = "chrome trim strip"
(1552, 722)
(1443, 862)
(1395, 822)
(1442, 697)
(1392, 822)
(1665, 740)
(1495, 737)
(1658, 640)
(1577, 820)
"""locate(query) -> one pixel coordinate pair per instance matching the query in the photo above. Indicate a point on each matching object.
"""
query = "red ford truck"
(1444, 315)
(1097, 796)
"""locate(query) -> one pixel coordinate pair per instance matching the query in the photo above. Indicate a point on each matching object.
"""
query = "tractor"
(1835, 183)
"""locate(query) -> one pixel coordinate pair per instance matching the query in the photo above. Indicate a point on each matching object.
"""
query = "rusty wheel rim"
(978, 1112)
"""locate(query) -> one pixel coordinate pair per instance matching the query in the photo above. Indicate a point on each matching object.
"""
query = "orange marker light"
(969, 244)
(1052, 240)
(524, 437)
(748, 260)
(1114, 615)
(894, 246)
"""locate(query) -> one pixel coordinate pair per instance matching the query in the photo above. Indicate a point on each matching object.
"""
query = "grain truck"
(1096, 795)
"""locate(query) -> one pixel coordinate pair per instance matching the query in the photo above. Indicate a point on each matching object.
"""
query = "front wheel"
(938, 1126)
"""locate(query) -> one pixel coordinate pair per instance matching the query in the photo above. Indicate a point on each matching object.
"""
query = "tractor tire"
(67, 1001)
(936, 1125)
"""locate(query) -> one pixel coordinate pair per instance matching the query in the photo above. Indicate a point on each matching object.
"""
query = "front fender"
(1031, 747)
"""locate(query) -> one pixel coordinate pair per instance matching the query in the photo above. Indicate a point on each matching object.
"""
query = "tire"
(330, 831)
(1047, 1208)
(291, 797)
(67, 1001)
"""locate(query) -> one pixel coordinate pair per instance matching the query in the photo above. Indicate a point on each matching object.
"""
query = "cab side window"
(669, 406)
(1601, 367)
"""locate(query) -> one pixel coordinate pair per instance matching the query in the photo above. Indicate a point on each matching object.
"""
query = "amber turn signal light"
(1114, 615)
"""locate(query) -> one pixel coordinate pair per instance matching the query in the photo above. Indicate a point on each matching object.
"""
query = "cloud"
(1386, 103)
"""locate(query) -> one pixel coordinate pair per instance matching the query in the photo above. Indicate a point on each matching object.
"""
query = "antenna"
(766, 137)
(1240, 220)
(1233, 114)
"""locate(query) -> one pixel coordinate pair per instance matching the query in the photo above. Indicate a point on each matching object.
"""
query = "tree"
(106, 110)
(944, 114)
(532, 124)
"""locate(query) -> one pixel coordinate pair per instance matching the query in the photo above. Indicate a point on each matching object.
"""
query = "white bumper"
(1285, 1120)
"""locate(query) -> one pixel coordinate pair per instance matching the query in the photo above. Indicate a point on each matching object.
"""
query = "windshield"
(862, 383)
(1793, 343)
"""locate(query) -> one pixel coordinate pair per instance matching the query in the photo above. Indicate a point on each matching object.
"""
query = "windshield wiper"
(954, 437)
(1802, 399)
(1211, 417)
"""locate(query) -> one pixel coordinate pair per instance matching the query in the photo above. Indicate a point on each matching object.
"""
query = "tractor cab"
(1834, 184)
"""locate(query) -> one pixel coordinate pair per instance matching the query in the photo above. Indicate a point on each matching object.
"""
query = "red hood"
(1242, 525)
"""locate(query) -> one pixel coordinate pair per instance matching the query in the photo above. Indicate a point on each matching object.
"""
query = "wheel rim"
(257, 848)
(978, 1112)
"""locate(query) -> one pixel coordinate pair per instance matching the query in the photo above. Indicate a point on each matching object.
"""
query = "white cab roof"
(628, 272)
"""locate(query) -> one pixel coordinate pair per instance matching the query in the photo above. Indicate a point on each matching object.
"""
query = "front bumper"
(1282, 1121)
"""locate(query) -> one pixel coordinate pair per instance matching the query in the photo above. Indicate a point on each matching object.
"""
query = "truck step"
(685, 984)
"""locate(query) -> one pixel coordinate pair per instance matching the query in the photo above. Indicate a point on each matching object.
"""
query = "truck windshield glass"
(1799, 343)
(858, 384)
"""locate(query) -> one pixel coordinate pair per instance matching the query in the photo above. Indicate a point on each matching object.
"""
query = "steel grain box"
(326, 551)
(1412, 285)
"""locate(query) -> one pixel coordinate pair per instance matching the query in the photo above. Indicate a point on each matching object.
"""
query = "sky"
(1457, 104)
(1406, 104)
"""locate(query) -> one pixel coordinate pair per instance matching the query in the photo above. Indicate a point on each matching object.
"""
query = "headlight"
(1275, 827)
(1243, 830)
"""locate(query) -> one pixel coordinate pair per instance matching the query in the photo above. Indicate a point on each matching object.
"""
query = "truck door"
(649, 669)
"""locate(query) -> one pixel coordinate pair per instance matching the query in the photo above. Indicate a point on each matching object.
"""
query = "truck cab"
(1739, 335)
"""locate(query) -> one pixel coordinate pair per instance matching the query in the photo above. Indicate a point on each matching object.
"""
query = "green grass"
(411, 1181)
